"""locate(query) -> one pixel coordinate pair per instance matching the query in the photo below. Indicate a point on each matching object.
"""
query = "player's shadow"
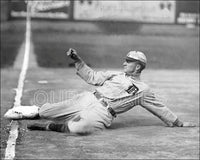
(135, 123)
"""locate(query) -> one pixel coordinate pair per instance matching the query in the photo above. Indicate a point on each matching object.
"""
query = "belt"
(105, 104)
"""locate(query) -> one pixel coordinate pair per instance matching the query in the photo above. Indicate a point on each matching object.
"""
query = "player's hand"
(189, 124)
(73, 54)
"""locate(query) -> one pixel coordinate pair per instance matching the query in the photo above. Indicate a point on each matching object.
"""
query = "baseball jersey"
(122, 92)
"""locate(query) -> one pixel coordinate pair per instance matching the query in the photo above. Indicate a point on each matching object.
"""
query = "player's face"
(130, 66)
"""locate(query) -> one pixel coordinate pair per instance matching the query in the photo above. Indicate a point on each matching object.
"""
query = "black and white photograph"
(99, 79)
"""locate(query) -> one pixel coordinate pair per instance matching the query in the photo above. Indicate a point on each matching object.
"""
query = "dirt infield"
(135, 134)
(9, 78)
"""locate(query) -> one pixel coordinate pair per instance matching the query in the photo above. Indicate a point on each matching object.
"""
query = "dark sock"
(37, 126)
(58, 127)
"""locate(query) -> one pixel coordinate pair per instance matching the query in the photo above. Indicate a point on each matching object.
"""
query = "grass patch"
(12, 36)
(174, 51)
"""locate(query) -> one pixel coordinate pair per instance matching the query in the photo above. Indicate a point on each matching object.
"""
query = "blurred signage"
(185, 18)
(162, 11)
(187, 12)
(44, 9)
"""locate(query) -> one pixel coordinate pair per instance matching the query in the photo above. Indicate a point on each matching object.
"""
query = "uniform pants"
(82, 114)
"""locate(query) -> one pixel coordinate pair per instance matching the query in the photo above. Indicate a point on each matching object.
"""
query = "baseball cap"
(136, 55)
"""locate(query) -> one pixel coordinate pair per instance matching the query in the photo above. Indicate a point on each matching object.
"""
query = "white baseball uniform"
(85, 112)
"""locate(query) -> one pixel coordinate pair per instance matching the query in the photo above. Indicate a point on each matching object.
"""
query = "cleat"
(22, 112)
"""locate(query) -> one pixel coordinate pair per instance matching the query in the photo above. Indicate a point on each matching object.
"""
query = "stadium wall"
(5, 10)
(175, 12)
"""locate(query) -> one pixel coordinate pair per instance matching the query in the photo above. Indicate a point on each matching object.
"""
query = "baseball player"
(116, 93)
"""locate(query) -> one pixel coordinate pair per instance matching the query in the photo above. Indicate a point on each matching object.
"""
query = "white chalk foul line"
(10, 149)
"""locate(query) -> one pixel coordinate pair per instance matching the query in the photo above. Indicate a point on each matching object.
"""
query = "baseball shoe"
(49, 126)
(22, 112)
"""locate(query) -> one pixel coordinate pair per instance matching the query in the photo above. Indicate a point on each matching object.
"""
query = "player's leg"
(66, 109)
(77, 125)
(48, 111)
(49, 126)
(61, 110)
(93, 118)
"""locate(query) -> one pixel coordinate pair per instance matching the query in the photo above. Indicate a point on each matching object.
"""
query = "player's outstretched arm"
(154, 104)
(91, 76)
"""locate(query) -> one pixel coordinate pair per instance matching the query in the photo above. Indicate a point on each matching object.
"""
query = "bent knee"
(80, 127)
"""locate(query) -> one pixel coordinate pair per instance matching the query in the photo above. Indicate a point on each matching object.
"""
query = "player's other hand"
(73, 54)
(189, 124)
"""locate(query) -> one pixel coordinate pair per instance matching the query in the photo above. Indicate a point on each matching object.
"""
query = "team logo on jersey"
(132, 89)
